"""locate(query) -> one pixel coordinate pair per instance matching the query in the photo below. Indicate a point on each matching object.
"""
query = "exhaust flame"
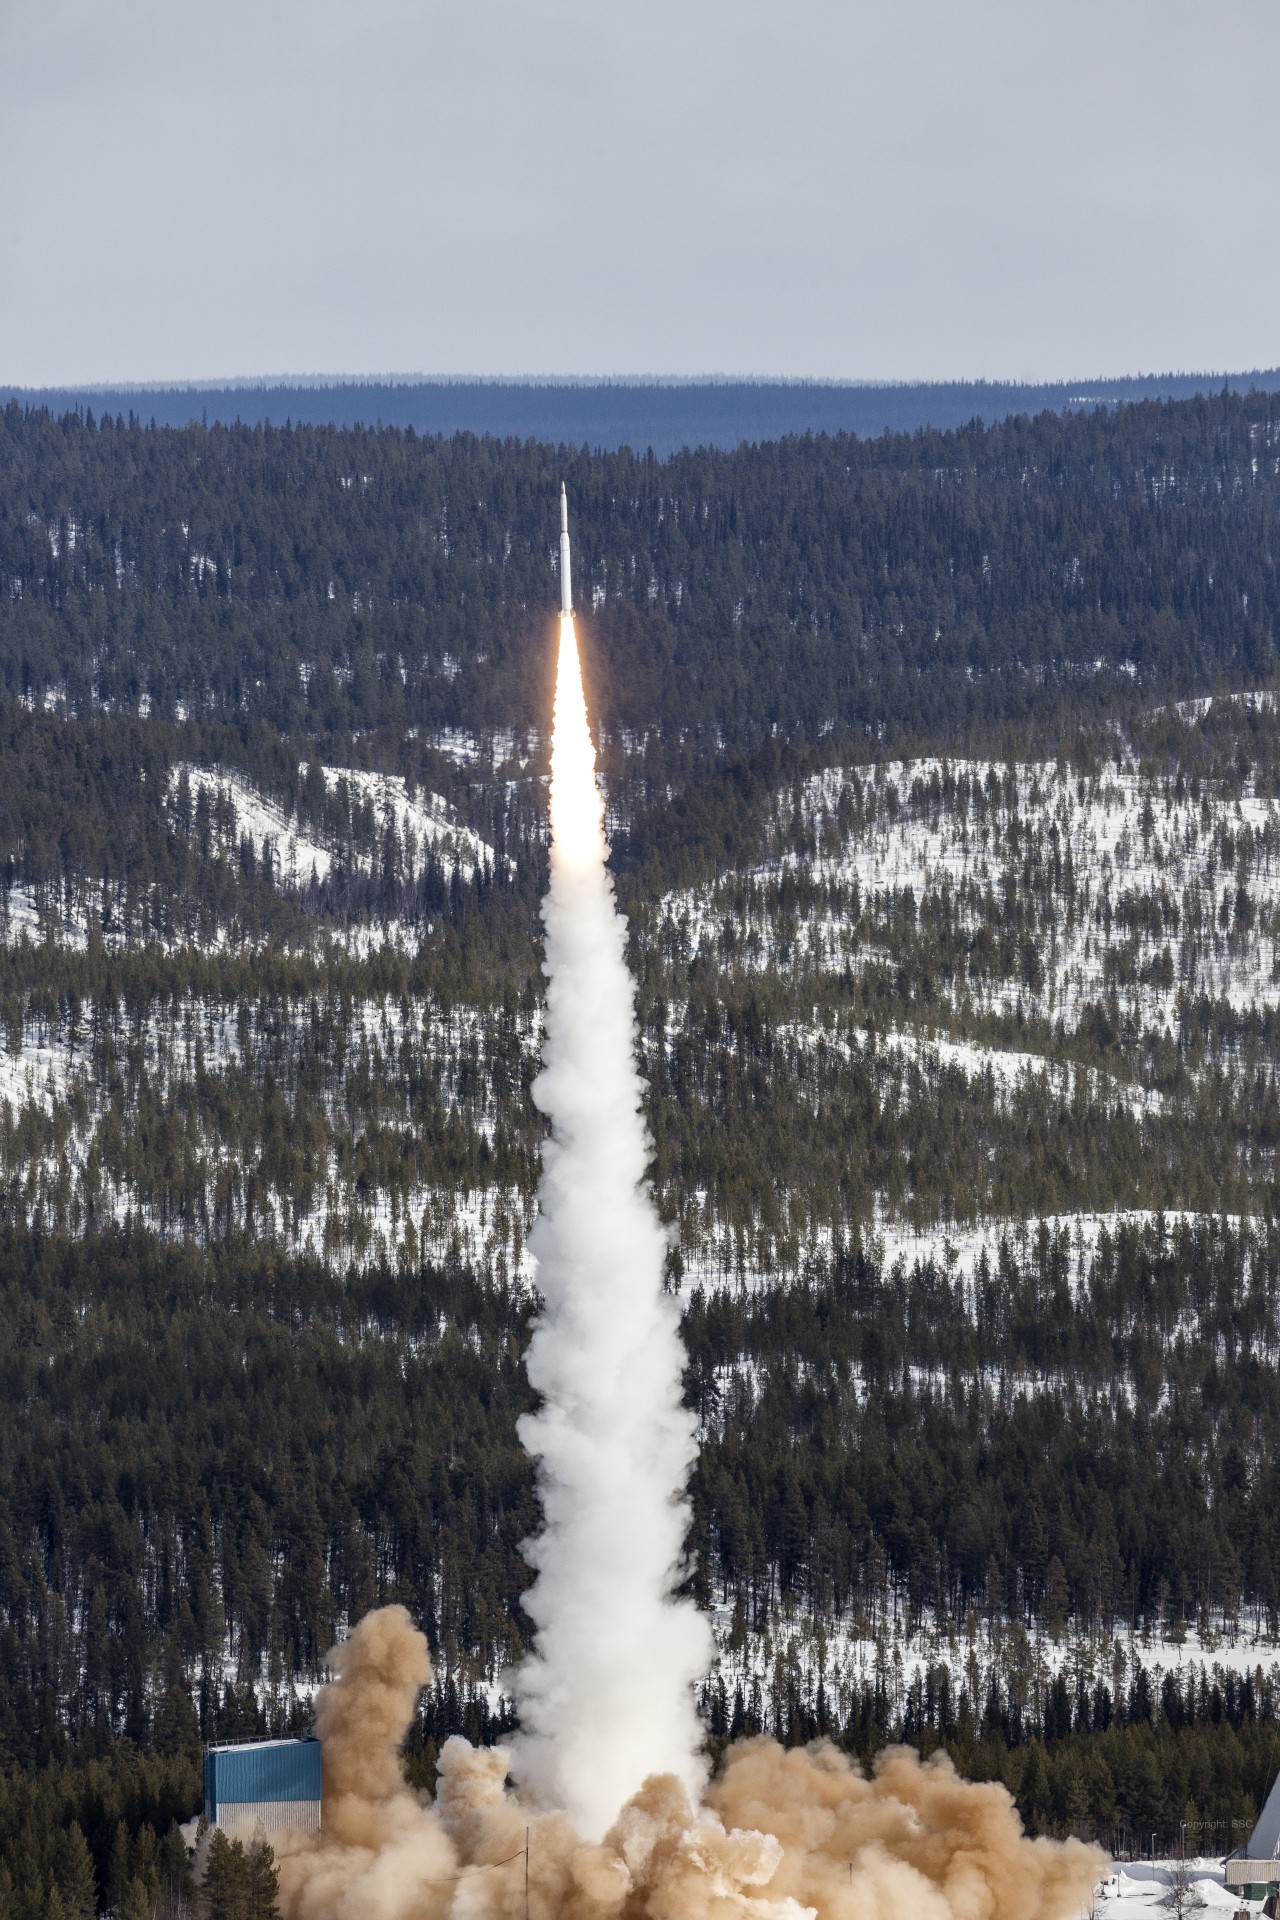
(606, 1699)
(577, 806)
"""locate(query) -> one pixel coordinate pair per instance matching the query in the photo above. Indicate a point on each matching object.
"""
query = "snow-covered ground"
(1143, 1889)
(959, 1249)
(260, 820)
(1128, 840)
(715, 1255)
(1152, 868)
(425, 824)
(885, 1647)
(38, 1072)
(26, 916)
(72, 1087)
(1010, 1068)
(465, 749)
(486, 1228)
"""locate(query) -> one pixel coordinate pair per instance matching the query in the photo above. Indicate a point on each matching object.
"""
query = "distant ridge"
(661, 415)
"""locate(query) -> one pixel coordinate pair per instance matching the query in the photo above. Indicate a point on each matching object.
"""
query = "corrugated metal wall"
(241, 1819)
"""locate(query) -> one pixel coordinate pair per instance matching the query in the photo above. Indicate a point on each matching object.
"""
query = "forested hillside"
(322, 580)
(944, 781)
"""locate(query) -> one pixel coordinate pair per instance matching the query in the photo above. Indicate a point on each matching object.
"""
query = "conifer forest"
(943, 786)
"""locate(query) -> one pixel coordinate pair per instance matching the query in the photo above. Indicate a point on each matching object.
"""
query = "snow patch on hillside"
(1010, 1069)
(716, 1257)
(424, 823)
(261, 821)
(38, 1072)
(885, 1647)
(959, 1250)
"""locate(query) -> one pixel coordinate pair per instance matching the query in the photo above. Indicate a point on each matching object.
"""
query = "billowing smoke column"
(613, 1819)
(606, 1699)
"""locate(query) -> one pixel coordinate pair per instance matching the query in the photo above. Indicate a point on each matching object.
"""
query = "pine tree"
(1033, 1793)
(224, 1893)
(119, 1867)
(262, 1882)
(174, 1864)
(77, 1882)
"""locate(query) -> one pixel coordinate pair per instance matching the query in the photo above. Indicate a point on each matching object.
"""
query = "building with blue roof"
(263, 1785)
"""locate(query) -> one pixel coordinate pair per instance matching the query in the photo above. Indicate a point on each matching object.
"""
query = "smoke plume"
(779, 1836)
(611, 1789)
(606, 1699)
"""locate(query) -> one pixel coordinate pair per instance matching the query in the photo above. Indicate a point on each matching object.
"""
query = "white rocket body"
(566, 582)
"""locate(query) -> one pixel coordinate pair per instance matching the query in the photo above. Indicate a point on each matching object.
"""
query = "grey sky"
(849, 188)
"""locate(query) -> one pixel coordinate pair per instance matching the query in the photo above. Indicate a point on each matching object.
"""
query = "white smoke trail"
(606, 1698)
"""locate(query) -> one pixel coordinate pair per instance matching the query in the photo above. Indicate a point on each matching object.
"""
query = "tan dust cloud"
(779, 1835)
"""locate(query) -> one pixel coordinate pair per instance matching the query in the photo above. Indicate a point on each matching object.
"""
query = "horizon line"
(303, 382)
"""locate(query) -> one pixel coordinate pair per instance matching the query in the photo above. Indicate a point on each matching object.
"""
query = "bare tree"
(1180, 1897)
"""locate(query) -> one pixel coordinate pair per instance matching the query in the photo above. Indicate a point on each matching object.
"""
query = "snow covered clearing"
(38, 1071)
(959, 1250)
(887, 1648)
(249, 815)
(466, 749)
(1182, 889)
(424, 823)
(25, 916)
(1010, 1069)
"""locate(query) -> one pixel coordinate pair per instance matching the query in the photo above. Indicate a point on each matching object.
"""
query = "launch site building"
(1254, 1871)
(263, 1785)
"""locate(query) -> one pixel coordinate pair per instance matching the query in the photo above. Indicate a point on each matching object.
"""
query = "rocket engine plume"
(614, 1820)
(607, 1697)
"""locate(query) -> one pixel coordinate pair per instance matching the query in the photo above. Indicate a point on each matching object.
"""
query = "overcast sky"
(830, 188)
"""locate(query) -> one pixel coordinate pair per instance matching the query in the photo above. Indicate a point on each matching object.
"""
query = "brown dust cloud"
(777, 1835)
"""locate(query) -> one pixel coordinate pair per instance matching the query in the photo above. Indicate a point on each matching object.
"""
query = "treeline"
(211, 1460)
(223, 1459)
(99, 1832)
(1183, 1763)
(1182, 1760)
(99, 827)
(324, 579)
(1036, 1444)
(1179, 1767)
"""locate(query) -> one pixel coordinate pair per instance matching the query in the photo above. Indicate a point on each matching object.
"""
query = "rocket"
(566, 584)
